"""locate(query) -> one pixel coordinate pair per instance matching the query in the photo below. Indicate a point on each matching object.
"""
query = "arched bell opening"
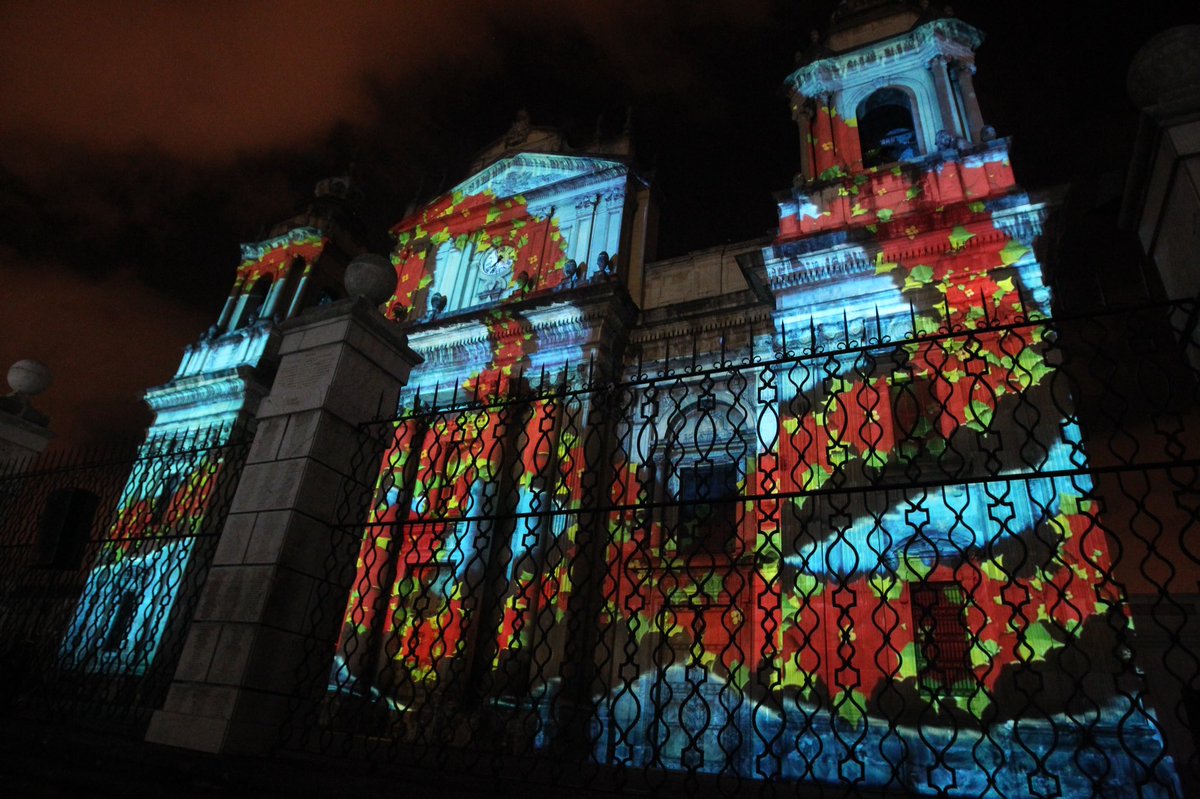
(255, 297)
(886, 128)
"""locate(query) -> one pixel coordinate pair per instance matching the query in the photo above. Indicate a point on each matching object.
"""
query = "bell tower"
(135, 601)
(299, 264)
(890, 81)
(907, 285)
(905, 198)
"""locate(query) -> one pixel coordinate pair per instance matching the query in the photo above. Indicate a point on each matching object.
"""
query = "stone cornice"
(254, 251)
(207, 389)
(244, 346)
(734, 320)
(950, 37)
(470, 341)
(546, 326)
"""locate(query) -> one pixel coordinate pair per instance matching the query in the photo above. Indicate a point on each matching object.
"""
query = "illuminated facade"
(736, 627)
(806, 565)
(151, 553)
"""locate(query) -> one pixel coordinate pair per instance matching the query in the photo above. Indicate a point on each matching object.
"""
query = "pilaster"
(945, 100)
(802, 114)
(966, 87)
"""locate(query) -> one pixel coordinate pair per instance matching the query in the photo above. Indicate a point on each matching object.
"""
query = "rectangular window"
(708, 508)
(167, 487)
(941, 634)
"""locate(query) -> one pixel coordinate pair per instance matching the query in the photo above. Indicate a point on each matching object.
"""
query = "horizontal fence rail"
(102, 560)
(953, 562)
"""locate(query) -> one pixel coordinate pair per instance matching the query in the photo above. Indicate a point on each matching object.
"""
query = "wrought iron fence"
(102, 559)
(887, 557)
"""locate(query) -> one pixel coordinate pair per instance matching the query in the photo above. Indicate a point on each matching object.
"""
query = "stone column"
(966, 88)
(255, 628)
(945, 99)
(239, 310)
(227, 310)
(823, 158)
(277, 289)
(803, 116)
(298, 295)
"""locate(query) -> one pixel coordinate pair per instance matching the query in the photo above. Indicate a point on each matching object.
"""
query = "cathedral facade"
(811, 507)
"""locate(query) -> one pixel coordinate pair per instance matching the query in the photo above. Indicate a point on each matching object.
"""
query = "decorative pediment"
(524, 173)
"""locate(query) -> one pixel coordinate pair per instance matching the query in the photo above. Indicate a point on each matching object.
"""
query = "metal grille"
(883, 560)
(102, 559)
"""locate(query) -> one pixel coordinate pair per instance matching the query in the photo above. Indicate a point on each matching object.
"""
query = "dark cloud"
(210, 80)
(141, 141)
(103, 338)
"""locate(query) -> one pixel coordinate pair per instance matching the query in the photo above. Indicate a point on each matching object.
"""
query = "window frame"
(941, 637)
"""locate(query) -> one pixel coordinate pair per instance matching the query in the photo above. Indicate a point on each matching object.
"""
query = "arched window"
(886, 129)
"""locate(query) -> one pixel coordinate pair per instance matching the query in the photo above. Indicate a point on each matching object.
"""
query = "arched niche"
(65, 527)
(449, 274)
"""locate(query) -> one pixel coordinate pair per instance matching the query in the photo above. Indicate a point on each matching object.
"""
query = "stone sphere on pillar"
(371, 276)
(29, 377)
(1166, 67)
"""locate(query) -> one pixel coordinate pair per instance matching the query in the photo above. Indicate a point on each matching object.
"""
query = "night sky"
(141, 142)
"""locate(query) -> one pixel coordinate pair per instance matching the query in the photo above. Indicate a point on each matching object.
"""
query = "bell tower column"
(945, 95)
(803, 114)
(825, 157)
(962, 72)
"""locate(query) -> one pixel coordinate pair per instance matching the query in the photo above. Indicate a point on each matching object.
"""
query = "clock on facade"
(496, 262)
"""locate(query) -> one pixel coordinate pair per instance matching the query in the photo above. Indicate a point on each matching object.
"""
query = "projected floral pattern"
(836, 616)
(432, 487)
(169, 503)
(274, 258)
(484, 223)
(813, 603)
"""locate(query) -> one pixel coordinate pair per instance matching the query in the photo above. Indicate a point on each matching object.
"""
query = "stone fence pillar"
(339, 366)
(24, 431)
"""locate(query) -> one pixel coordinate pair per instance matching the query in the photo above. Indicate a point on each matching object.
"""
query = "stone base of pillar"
(254, 631)
(21, 439)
